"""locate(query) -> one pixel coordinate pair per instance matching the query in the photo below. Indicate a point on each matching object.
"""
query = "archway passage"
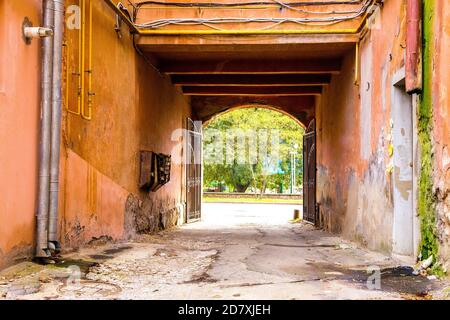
(291, 88)
(336, 74)
(220, 74)
(252, 154)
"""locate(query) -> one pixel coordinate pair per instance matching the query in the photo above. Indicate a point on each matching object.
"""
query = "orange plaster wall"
(93, 206)
(441, 122)
(134, 109)
(19, 125)
(354, 133)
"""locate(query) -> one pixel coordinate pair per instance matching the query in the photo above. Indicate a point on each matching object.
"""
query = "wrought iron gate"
(309, 174)
(193, 171)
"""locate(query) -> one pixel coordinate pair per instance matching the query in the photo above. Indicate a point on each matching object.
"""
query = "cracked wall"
(440, 77)
(354, 136)
(134, 109)
(358, 201)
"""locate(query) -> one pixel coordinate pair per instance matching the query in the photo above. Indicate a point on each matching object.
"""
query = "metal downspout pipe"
(45, 127)
(50, 139)
(53, 243)
(413, 46)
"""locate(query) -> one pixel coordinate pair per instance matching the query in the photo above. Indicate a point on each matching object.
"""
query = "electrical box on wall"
(155, 170)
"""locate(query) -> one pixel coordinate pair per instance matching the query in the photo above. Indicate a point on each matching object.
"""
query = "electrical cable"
(250, 5)
(156, 24)
(195, 21)
(231, 5)
(146, 59)
(286, 5)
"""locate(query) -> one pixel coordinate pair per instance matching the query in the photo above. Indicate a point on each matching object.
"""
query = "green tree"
(250, 131)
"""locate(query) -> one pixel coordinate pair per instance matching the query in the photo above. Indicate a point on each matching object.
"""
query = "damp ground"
(237, 251)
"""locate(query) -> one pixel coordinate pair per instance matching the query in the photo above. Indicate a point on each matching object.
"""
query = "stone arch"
(301, 109)
(259, 106)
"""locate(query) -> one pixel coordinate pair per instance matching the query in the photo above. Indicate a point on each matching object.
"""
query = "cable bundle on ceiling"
(333, 16)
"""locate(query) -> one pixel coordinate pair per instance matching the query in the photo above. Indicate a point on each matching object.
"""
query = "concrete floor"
(237, 252)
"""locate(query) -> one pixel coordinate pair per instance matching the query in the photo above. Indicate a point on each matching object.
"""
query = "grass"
(251, 200)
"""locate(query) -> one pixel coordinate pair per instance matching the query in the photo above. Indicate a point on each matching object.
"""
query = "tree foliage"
(251, 148)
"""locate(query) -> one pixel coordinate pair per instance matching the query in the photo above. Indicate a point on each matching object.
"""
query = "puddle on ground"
(101, 257)
(117, 250)
(403, 281)
(399, 280)
(109, 253)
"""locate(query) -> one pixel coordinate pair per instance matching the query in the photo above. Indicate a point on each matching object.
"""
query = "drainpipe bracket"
(29, 32)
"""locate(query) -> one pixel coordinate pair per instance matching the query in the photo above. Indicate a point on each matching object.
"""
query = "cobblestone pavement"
(236, 252)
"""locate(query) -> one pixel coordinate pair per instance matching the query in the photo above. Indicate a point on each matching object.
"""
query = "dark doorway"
(309, 174)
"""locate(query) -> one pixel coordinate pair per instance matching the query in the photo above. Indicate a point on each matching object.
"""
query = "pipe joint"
(54, 248)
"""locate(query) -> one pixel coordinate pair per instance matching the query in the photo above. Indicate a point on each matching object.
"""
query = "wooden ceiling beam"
(316, 66)
(252, 91)
(251, 80)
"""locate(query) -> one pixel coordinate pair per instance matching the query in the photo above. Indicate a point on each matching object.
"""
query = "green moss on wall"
(426, 202)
